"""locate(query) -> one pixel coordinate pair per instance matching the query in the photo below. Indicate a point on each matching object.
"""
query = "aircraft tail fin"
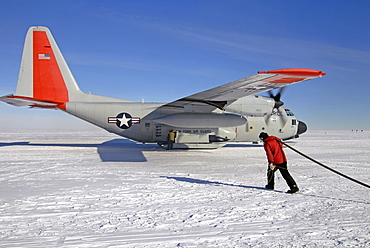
(44, 80)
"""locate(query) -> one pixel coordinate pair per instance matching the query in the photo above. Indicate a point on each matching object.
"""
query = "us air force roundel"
(124, 120)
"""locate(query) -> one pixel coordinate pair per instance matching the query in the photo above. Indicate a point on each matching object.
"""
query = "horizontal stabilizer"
(31, 102)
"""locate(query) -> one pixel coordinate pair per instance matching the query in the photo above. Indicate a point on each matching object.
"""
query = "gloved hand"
(271, 166)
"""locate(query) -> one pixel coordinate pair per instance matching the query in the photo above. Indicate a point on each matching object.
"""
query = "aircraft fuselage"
(241, 121)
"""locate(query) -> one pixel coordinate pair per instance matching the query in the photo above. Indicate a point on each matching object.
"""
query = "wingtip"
(296, 72)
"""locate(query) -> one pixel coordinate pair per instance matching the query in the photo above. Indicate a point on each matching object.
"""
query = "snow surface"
(94, 189)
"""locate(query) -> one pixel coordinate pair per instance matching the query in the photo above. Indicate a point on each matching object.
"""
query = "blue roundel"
(124, 120)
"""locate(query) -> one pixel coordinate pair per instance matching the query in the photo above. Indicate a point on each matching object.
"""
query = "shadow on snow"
(200, 181)
(117, 150)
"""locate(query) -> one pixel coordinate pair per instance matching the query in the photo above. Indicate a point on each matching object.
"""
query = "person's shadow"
(200, 181)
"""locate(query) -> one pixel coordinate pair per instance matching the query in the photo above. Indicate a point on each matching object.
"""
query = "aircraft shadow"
(242, 145)
(124, 150)
(253, 145)
(116, 150)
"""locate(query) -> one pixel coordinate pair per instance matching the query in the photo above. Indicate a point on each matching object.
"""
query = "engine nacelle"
(252, 106)
(195, 120)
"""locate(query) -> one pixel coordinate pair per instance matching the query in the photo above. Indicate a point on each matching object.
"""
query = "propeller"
(277, 105)
(278, 102)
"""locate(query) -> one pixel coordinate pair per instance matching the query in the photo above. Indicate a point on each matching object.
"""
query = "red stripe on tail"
(48, 82)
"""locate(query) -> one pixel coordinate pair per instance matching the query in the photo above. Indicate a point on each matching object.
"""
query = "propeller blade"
(277, 97)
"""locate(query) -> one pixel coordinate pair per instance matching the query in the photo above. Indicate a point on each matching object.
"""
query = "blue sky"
(165, 50)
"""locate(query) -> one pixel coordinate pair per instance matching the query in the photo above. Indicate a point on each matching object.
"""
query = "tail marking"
(48, 82)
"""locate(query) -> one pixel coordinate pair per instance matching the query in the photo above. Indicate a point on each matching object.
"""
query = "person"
(171, 139)
(276, 161)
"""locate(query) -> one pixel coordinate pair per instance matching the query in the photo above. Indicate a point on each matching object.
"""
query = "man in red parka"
(276, 161)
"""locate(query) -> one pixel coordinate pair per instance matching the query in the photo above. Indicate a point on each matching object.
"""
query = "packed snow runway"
(94, 189)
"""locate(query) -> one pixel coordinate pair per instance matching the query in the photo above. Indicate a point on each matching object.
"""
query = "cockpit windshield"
(288, 112)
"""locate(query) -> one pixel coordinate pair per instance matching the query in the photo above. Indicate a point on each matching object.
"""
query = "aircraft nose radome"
(302, 127)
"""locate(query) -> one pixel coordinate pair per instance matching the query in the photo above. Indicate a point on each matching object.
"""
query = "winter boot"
(293, 190)
(269, 187)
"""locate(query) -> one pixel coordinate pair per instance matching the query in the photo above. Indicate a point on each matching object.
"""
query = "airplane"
(231, 112)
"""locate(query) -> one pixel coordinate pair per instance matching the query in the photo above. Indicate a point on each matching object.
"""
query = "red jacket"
(274, 150)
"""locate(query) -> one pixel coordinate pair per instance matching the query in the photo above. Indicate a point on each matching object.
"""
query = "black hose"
(326, 167)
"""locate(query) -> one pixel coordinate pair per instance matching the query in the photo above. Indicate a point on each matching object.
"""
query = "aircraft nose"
(302, 127)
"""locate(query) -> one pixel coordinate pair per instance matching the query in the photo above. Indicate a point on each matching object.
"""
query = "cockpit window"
(288, 112)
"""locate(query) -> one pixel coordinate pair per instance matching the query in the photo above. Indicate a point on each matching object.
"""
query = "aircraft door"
(147, 131)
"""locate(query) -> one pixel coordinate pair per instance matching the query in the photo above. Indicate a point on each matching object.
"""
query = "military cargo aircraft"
(209, 119)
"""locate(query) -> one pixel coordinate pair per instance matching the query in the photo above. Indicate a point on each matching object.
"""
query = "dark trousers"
(284, 172)
(170, 145)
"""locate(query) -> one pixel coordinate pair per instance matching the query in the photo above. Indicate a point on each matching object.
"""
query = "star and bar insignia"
(124, 120)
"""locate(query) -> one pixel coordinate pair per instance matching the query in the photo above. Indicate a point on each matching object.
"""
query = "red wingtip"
(297, 72)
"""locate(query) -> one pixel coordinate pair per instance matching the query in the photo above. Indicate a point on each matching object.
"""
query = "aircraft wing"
(218, 97)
